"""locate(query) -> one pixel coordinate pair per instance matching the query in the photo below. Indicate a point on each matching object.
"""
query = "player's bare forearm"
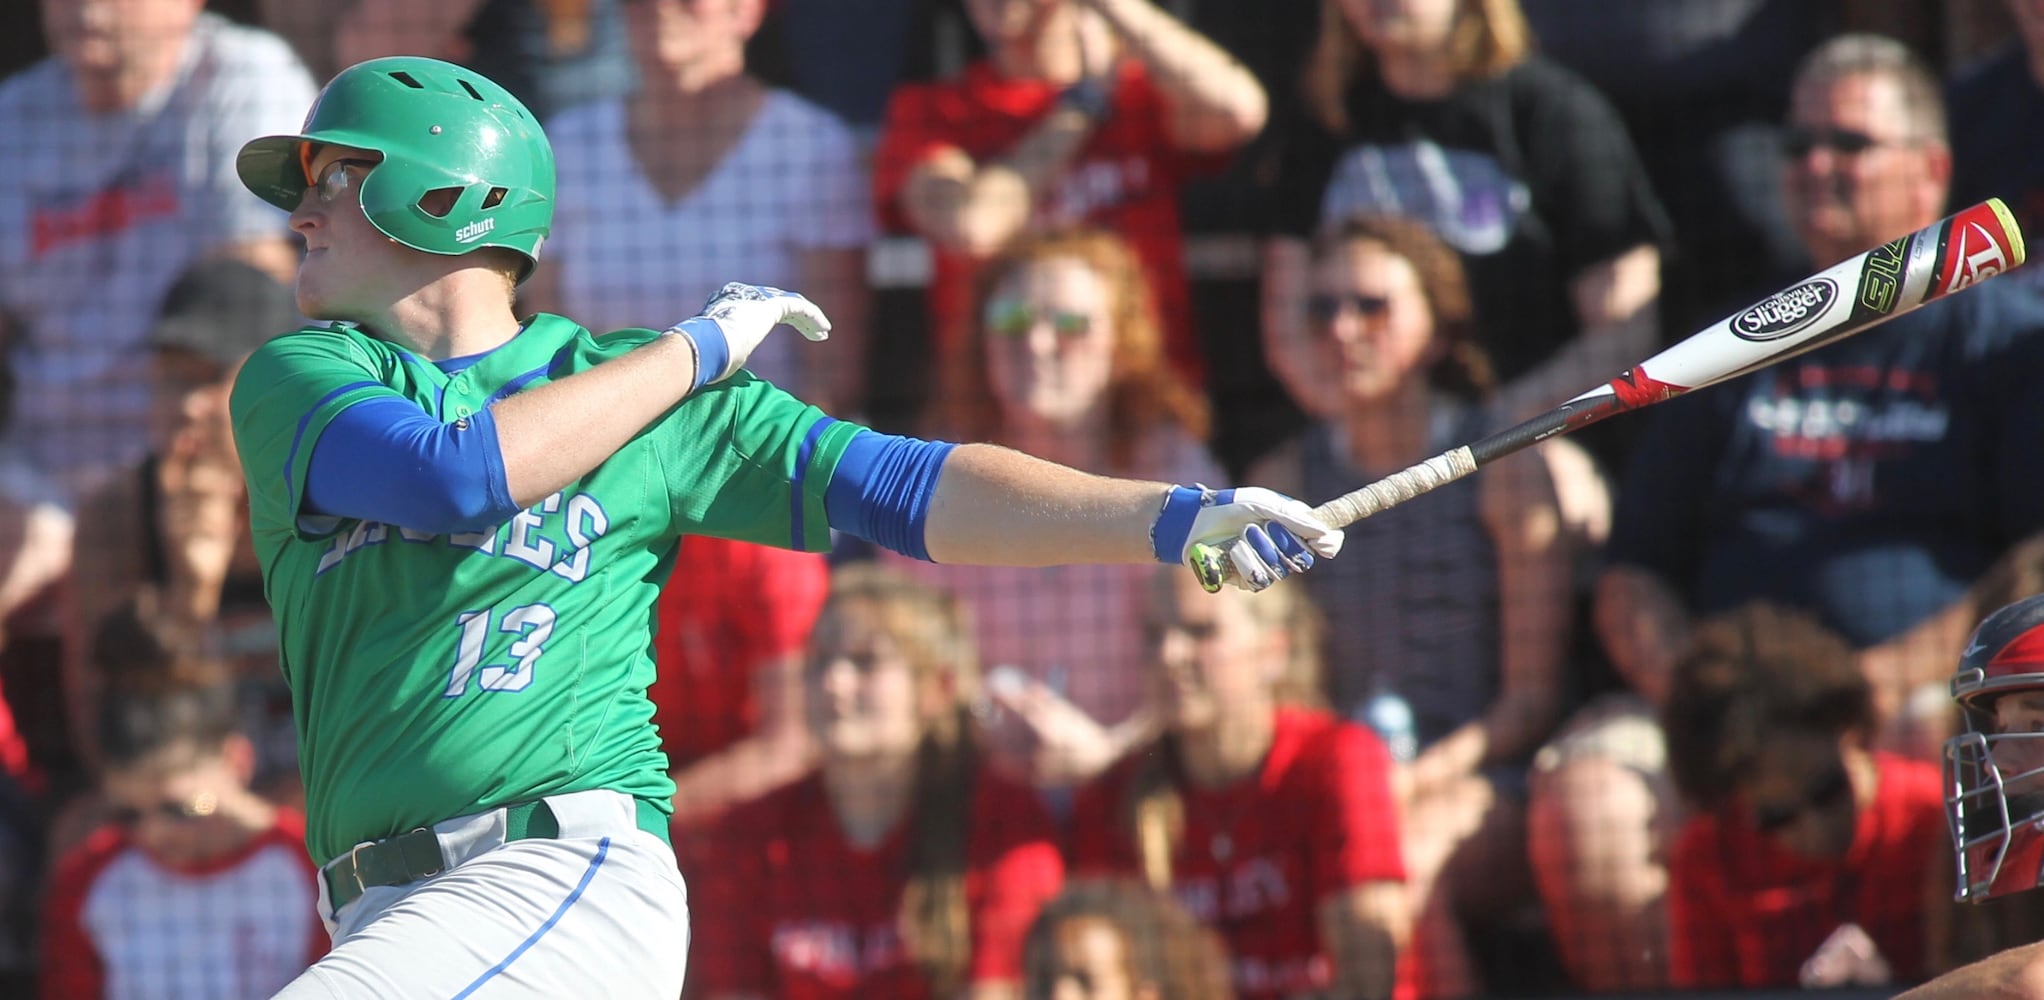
(999, 507)
(555, 434)
(2016, 974)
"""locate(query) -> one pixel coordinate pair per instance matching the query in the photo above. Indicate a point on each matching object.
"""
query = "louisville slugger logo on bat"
(1887, 281)
(1786, 312)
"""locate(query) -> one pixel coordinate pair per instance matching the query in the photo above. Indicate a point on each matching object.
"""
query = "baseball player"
(1994, 777)
(462, 519)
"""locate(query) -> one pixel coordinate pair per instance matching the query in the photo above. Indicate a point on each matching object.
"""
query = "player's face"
(2019, 716)
(1213, 659)
(1370, 332)
(1855, 175)
(351, 270)
(670, 37)
(188, 403)
(1049, 333)
(1801, 795)
(98, 37)
(1403, 25)
(170, 803)
(864, 696)
(1089, 960)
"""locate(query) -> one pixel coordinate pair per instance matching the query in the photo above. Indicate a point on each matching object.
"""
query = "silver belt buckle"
(355, 865)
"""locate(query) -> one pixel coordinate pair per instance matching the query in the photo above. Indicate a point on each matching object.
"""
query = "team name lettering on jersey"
(553, 535)
(832, 948)
(1258, 885)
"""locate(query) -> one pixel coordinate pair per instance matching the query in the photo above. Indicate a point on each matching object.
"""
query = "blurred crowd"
(1658, 706)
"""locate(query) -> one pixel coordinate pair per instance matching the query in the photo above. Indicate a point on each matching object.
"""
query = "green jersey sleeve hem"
(746, 461)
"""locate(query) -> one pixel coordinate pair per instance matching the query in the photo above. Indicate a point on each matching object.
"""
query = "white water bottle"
(1392, 718)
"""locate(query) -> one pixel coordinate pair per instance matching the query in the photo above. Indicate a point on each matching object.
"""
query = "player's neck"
(869, 795)
(1229, 751)
(461, 314)
(1391, 433)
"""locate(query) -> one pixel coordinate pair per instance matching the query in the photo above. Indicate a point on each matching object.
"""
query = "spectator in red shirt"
(197, 887)
(1272, 824)
(1085, 111)
(731, 626)
(901, 867)
(1121, 940)
(1809, 859)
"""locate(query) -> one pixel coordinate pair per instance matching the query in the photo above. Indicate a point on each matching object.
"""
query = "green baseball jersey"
(438, 675)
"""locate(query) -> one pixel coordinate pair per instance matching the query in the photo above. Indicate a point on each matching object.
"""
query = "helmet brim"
(270, 168)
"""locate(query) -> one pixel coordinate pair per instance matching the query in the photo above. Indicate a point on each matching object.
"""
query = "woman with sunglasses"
(1439, 110)
(1450, 640)
(1068, 362)
(1809, 859)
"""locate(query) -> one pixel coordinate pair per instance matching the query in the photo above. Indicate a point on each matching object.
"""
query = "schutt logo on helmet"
(1786, 312)
(474, 231)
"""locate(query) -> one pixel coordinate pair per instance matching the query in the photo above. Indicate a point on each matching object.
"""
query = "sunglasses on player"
(1798, 141)
(334, 181)
(1821, 795)
(1325, 309)
(173, 810)
(1015, 318)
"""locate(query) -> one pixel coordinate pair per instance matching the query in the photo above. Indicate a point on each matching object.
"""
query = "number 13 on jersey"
(531, 623)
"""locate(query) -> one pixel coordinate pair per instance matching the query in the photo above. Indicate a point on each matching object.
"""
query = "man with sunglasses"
(1808, 858)
(463, 516)
(1870, 482)
(195, 887)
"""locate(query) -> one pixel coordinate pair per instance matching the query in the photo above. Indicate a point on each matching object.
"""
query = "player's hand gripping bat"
(1859, 293)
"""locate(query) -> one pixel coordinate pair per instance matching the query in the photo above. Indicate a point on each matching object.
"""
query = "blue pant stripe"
(602, 848)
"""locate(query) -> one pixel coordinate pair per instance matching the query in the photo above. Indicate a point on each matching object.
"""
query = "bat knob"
(1209, 566)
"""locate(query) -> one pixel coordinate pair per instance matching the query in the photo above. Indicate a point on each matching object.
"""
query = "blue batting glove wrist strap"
(713, 352)
(1174, 523)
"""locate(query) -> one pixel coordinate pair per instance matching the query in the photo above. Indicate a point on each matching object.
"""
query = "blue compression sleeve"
(385, 460)
(882, 488)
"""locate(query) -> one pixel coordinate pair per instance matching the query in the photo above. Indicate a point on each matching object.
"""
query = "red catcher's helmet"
(1994, 780)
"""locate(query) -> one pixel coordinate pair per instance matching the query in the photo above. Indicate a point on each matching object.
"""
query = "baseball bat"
(1856, 294)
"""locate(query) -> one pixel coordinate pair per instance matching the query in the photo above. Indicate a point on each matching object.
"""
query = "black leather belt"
(409, 857)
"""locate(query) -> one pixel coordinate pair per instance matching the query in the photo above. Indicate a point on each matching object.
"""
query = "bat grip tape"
(1397, 488)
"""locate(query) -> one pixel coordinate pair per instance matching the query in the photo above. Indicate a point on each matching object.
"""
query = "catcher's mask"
(1994, 769)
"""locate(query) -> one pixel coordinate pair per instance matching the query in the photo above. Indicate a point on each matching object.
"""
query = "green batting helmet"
(439, 127)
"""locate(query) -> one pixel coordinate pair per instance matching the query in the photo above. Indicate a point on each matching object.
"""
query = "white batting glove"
(737, 319)
(1248, 537)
